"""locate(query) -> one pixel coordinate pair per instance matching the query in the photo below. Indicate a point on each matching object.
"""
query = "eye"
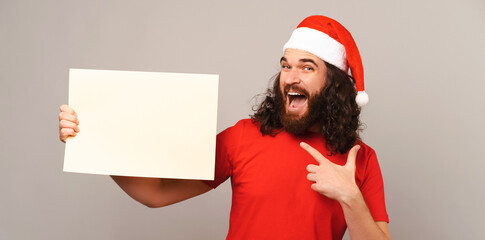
(285, 66)
(308, 68)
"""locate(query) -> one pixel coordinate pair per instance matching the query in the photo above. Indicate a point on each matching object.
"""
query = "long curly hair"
(339, 115)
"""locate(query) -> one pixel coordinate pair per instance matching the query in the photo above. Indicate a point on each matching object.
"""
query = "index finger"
(312, 151)
(67, 109)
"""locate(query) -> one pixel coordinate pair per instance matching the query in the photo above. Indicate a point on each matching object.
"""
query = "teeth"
(294, 94)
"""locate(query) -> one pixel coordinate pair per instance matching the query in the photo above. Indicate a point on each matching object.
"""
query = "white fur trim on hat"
(320, 45)
(362, 98)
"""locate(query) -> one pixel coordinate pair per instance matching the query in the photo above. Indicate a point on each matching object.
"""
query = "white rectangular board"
(144, 124)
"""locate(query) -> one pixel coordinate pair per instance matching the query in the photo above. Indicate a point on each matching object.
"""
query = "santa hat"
(330, 41)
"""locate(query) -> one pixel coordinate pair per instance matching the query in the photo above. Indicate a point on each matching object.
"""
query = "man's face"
(302, 78)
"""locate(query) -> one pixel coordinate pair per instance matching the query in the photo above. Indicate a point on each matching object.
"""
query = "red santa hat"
(331, 42)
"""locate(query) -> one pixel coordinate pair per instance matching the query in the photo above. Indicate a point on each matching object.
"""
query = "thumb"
(352, 156)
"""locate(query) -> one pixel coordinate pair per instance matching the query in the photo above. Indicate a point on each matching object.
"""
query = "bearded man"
(298, 168)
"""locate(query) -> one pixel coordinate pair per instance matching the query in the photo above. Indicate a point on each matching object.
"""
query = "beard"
(295, 124)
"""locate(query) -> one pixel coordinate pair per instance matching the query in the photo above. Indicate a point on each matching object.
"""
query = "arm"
(338, 182)
(360, 223)
(160, 192)
(151, 192)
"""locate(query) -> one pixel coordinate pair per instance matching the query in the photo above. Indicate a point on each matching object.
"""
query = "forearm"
(159, 192)
(359, 220)
(144, 190)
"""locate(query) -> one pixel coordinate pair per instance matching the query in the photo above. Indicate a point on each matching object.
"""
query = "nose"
(291, 77)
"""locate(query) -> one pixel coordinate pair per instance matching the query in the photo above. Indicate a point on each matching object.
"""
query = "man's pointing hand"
(332, 180)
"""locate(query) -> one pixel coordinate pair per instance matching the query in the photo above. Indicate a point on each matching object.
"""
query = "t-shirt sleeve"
(226, 144)
(373, 189)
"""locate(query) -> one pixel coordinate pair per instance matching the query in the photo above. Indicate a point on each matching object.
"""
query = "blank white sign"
(144, 124)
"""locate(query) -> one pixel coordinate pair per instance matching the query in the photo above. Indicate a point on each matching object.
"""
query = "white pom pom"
(362, 98)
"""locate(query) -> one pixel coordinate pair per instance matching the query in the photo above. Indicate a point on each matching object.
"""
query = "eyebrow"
(305, 60)
(308, 60)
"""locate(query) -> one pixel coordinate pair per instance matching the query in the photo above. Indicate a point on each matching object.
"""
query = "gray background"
(424, 74)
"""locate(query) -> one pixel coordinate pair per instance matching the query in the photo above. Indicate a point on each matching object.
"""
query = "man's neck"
(317, 127)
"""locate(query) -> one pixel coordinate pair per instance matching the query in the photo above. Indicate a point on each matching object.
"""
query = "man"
(298, 168)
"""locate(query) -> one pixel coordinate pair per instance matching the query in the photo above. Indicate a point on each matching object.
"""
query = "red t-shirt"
(272, 198)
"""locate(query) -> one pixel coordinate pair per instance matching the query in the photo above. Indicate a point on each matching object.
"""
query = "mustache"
(295, 88)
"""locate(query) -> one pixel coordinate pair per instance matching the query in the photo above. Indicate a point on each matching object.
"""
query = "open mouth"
(295, 100)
